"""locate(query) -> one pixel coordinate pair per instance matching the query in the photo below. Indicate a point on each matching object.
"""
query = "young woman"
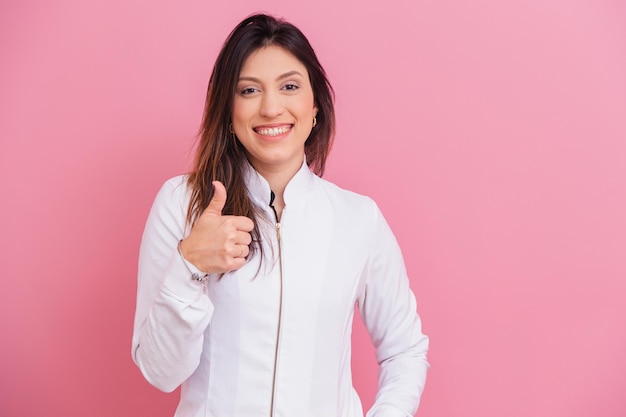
(251, 265)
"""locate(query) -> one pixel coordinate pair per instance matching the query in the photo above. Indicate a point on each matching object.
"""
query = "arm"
(172, 310)
(388, 309)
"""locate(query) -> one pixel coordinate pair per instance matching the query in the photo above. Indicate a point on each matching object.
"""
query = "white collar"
(295, 192)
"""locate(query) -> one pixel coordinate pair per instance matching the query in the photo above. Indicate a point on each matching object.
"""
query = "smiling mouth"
(273, 131)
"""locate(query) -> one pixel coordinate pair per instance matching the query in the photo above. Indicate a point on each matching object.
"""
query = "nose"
(271, 105)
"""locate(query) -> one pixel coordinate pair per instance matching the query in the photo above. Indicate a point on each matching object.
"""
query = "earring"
(314, 121)
(230, 128)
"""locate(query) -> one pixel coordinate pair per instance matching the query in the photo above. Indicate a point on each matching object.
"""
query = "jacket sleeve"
(388, 309)
(172, 310)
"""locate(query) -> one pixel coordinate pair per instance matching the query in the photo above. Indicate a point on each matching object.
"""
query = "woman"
(251, 265)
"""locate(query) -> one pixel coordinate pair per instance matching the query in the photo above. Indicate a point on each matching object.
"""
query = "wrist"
(196, 275)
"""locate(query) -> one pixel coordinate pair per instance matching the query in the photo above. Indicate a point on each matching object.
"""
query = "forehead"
(271, 61)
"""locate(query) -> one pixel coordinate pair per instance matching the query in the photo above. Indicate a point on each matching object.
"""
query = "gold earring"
(314, 121)
(230, 128)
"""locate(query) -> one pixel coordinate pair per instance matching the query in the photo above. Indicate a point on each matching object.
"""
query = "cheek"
(307, 108)
(240, 117)
(241, 111)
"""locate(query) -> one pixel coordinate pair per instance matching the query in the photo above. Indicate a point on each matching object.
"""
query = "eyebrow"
(280, 77)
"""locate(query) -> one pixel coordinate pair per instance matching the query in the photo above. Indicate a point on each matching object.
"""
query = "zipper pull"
(278, 231)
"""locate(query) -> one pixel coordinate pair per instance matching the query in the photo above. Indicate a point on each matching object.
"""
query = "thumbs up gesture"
(218, 243)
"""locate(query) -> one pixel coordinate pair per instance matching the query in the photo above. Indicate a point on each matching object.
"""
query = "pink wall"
(492, 134)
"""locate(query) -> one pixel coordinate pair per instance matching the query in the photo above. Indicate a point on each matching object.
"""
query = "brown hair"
(220, 156)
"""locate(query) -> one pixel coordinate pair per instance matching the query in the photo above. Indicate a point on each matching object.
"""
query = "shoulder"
(175, 184)
(175, 187)
(173, 195)
(358, 216)
(354, 203)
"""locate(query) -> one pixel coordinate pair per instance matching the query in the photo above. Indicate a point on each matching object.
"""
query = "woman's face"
(273, 110)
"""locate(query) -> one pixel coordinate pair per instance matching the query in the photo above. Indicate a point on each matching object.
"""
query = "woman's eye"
(291, 87)
(248, 90)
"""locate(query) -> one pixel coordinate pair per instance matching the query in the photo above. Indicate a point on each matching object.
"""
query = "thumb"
(216, 205)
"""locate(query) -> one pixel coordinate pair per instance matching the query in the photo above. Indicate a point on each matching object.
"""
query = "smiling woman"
(273, 114)
(251, 265)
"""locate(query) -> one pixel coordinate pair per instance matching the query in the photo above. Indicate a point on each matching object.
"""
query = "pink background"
(491, 133)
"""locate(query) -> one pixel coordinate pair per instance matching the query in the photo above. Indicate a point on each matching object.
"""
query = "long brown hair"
(220, 155)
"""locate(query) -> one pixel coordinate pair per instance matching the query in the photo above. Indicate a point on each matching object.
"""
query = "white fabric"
(220, 342)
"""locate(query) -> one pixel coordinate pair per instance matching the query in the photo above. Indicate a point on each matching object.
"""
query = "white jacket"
(278, 344)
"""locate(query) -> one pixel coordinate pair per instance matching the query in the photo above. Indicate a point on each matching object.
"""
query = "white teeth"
(273, 131)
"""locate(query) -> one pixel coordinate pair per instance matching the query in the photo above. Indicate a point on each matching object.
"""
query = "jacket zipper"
(280, 302)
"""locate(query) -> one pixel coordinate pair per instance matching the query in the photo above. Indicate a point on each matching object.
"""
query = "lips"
(272, 130)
